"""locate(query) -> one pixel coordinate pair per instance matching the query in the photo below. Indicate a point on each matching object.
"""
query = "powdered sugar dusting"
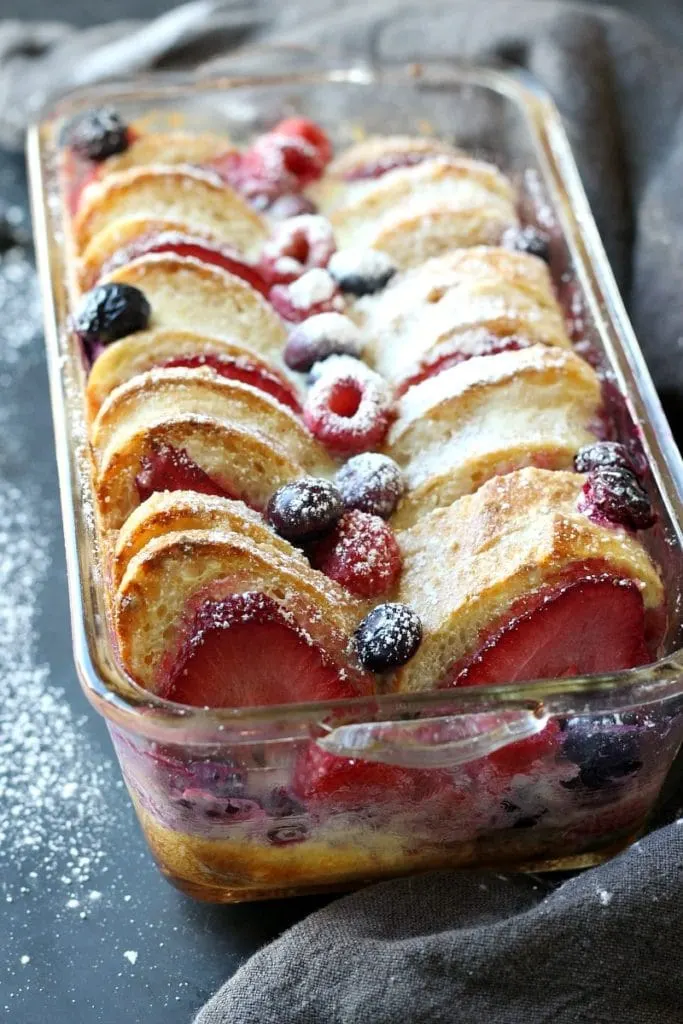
(314, 287)
(52, 810)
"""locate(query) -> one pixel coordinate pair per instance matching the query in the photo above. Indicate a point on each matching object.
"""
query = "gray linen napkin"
(604, 947)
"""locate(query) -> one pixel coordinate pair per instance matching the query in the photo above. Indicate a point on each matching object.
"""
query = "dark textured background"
(77, 971)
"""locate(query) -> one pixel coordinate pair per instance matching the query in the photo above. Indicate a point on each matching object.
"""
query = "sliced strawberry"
(172, 469)
(348, 783)
(519, 757)
(247, 370)
(243, 652)
(188, 245)
(309, 131)
(490, 345)
(361, 553)
(587, 626)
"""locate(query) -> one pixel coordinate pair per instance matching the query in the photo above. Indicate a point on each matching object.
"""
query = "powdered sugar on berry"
(314, 287)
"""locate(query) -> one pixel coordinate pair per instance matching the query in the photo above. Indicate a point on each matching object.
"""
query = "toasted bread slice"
(187, 295)
(240, 464)
(167, 148)
(180, 194)
(419, 212)
(120, 236)
(174, 571)
(432, 311)
(489, 416)
(145, 350)
(178, 511)
(245, 442)
(467, 565)
(158, 394)
(359, 166)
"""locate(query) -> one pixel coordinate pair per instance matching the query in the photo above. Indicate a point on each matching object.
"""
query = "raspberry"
(349, 407)
(312, 293)
(288, 156)
(309, 131)
(298, 244)
(361, 553)
(321, 336)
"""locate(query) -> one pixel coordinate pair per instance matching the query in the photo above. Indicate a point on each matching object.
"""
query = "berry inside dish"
(347, 447)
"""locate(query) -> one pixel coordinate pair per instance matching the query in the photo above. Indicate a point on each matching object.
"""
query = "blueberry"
(371, 483)
(109, 312)
(361, 271)
(616, 494)
(304, 509)
(321, 336)
(99, 134)
(530, 240)
(602, 455)
(603, 757)
(388, 637)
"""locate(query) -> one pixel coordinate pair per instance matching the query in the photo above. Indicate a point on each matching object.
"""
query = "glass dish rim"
(128, 705)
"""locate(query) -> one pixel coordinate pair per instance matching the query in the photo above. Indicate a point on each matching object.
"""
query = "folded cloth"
(470, 948)
(603, 947)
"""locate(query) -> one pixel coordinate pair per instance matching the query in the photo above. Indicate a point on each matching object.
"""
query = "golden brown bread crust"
(186, 294)
(167, 148)
(375, 148)
(180, 193)
(177, 511)
(465, 565)
(487, 416)
(162, 580)
(158, 395)
(437, 308)
(340, 184)
(122, 233)
(419, 212)
(244, 463)
(140, 352)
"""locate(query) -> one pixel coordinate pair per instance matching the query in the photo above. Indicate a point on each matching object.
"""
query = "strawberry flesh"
(171, 469)
(491, 345)
(247, 371)
(243, 652)
(589, 626)
(179, 244)
(349, 783)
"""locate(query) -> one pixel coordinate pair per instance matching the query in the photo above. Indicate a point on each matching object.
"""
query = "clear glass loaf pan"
(534, 776)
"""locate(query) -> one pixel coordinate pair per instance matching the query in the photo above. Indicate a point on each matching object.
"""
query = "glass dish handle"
(434, 742)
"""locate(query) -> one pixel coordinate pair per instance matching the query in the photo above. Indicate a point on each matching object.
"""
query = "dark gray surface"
(77, 971)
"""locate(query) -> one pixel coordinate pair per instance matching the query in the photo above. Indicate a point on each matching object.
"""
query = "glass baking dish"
(537, 776)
